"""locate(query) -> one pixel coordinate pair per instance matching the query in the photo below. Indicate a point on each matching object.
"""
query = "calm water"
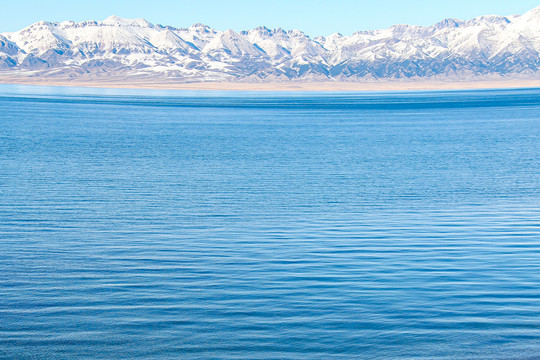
(165, 225)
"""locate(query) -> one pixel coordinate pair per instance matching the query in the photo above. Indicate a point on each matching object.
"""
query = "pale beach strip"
(333, 86)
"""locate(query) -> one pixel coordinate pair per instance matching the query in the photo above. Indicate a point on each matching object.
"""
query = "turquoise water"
(185, 225)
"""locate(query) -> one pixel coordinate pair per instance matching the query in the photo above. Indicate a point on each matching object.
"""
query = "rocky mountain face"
(483, 46)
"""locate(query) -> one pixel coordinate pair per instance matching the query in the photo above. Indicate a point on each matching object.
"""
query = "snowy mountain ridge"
(483, 46)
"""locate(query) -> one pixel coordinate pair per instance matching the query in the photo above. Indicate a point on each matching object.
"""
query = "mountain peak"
(489, 20)
(119, 21)
(200, 26)
(532, 14)
(448, 23)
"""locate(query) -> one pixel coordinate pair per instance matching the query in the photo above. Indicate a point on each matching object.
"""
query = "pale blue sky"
(315, 17)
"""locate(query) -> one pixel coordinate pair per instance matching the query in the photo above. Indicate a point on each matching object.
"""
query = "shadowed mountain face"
(481, 47)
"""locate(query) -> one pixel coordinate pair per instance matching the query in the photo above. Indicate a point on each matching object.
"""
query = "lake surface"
(185, 225)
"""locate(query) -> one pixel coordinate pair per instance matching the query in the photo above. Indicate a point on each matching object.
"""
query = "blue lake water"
(185, 225)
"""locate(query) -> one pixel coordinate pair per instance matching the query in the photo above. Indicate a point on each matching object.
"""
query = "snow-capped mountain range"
(483, 46)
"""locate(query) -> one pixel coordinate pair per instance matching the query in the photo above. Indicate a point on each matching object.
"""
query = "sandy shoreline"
(383, 85)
